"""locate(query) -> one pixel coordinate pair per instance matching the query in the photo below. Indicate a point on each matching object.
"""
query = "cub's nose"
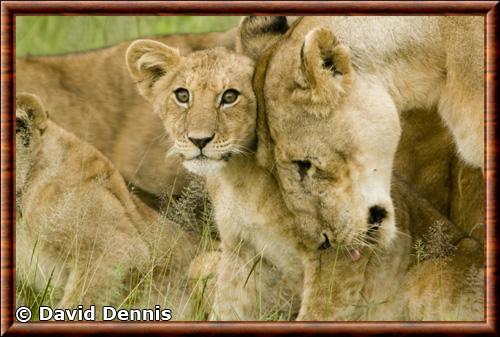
(201, 142)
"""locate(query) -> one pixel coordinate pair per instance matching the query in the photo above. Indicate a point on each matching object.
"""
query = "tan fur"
(427, 160)
(365, 120)
(263, 249)
(348, 145)
(257, 266)
(349, 171)
(80, 228)
(426, 156)
(92, 95)
(462, 99)
(453, 287)
(401, 282)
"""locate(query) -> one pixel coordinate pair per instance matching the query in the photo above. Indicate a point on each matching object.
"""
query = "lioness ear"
(256, 33)
(34, 109)
(325, 71)
(148, 61)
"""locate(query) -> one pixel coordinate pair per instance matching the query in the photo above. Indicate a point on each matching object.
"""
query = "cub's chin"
(204, 166)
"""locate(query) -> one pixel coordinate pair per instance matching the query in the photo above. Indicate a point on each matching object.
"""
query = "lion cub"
(78, 228)
(208, 107)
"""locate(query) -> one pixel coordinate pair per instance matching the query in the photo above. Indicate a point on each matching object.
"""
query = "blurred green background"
(45, 35)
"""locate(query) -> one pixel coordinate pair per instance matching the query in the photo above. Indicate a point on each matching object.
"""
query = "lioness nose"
(376, 214)
(201, 142)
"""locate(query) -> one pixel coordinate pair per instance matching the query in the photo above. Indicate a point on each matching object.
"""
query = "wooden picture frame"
(11, 9)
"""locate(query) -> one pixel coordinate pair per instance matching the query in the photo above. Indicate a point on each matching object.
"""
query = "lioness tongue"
(354, 254)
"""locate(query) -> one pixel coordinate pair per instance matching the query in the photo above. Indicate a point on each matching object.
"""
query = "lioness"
(79, 230)
(106, 109)
(332, 103)
(207, 105)
(328, 127)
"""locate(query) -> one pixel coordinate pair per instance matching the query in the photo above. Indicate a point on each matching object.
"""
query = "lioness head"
(328, 135)
(31, 121)
(205, 100)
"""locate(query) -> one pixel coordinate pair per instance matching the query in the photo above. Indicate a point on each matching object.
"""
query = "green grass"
(46, 35)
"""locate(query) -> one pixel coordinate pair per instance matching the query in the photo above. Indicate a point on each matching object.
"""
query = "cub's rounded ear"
(147, 61)
(33, 108)
(256, 33)
(325, 71)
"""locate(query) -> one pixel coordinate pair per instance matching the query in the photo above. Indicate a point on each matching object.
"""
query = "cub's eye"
(302, 167)
(229, 96)
(182, 95)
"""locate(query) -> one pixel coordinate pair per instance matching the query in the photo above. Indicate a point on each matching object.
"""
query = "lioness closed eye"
(334, 168)
(263, 252)
(331, 90)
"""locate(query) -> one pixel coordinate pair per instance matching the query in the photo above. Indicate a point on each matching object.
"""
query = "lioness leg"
(462, 99)
(463, 113)
(94, 286)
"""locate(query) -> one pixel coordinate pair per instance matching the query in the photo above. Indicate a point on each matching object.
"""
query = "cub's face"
(31, 121)
(205, 100)
(329, 137)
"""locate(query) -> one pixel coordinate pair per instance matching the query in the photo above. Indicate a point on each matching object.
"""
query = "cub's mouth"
(202, 164)
(201, 157)
(204, 158)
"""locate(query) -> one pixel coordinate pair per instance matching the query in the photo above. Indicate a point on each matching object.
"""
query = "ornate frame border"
(11, 9)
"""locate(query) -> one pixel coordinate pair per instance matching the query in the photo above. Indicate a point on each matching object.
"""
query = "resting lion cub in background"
(78, 227)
